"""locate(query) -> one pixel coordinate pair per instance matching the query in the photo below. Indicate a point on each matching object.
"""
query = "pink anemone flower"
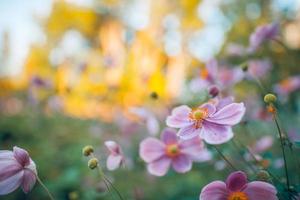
(16, 169)
(212, 120)
(116, 156)
(237, 187)
(170, 150)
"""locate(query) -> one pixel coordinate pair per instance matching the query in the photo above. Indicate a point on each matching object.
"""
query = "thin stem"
(224, 158)
(45, 188)
(117, 191)
(283, 151)
(242, 156)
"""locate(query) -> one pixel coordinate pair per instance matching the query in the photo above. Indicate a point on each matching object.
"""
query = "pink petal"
(182, 164)
(113, 147)
(9, 168)
(214, 191)
(10, 184)
(179, 117)
(259, 190)
(228, 115)
(236, 181)
(151, 149)
(159, 167)
(6, 155)
(224, 102)
(188, 132)
(194, 148)
(29, 179)
(169, 136)
(210, 108)
(114, 162)
(21, 155)
(216, 134)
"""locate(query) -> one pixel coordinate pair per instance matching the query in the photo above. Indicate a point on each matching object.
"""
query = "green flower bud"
(270, 98)
(87, 150)
(93, 163)
(263, 175)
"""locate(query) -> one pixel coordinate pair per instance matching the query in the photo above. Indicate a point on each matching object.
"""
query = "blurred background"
(72, 70)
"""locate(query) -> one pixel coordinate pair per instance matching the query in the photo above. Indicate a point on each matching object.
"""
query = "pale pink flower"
(16, 169)
(212, 120)
(261, 35)
(238, 187)
(171, 151)
(116, 157)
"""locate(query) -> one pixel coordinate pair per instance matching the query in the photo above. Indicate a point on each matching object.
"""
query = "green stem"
(45, 188)
(224, 158)
(283, 151)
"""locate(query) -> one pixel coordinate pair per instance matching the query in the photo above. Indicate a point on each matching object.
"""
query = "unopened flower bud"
(270, 98)
(87, 150)
(213, 90)
(263, 175)
(93, 163)
(244, 67)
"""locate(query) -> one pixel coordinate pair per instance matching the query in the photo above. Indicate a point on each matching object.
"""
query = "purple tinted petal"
(12, 183)
(159, 167)
(29, 179)
(214, 191)
(113, 147)
(224, 102)
(169, 136)
(194, 148)
(259, 190)
(114, 162)
(216, 134)
(236, 181)
(211, 109)
(179, 117)
(6, 155)
(9, 168)
(21, 155)
(188, 132)
(229, 115)
(182, 164)
(151, 149)
(263, 144)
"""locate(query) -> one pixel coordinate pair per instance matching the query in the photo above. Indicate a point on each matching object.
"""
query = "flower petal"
(159, 167)
(169, 136)
(259, 190)
(21, 155)
(9, 168)
(10, 184)
(29, 179)
(210, 108)
(236, 181)
(188, 132)
(215, 133)
(182, 164)
(151, 149)
(179, 117)
(4, 154)
(195, 149)
(228, 115)
(114, 162)
(221, 103)
(215, 190)
(113, 147)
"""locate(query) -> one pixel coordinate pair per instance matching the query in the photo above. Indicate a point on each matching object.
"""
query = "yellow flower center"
(172, 150)
(238, 196)
(204, 73)
(197, 116)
